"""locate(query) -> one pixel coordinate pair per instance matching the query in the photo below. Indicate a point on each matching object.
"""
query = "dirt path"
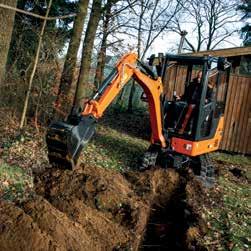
(100, 209)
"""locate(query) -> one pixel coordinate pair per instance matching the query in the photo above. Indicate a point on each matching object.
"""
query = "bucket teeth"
(65, 141)
(56, 140)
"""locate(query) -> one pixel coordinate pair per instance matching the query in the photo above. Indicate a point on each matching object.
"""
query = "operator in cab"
(192, 91)
(191, 97)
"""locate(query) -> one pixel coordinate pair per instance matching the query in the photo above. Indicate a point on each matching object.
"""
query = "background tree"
(106, 17)
(22, 53)
(7, 22)
(114, 19)
(154, 18)
(143, 6)
(25, 36)
(71, 56)
(212, 22)
(245, 8)
(83, 79)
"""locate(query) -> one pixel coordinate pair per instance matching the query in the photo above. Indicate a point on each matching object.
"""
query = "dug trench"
(94, 208)
(175, 225)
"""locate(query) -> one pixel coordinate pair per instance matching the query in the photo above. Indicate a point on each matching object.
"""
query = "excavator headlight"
(188, 147)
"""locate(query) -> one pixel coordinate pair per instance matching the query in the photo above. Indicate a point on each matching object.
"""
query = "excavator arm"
(65, 140)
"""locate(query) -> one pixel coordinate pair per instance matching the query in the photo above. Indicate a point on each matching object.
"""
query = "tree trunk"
(131, 95)
(83, 78)
(71, 58)
(7, 21)
(102, 53)
(99, 75)
(130, 101)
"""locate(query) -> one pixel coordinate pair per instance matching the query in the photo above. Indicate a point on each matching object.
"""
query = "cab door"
(212, 103)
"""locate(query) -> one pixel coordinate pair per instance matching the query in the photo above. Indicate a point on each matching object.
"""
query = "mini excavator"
(182, 134)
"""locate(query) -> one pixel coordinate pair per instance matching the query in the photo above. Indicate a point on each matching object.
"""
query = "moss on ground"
(15, 183)
(233, 159)
(229, 221)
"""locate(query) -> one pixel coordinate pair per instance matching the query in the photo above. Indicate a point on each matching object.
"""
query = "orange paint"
(195, 148)
(127, 69)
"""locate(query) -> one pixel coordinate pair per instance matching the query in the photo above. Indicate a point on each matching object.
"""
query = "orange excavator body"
(65, 140)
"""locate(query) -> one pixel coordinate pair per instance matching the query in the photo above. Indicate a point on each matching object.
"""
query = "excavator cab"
(194, 118)
(193, 107)
(184, 116)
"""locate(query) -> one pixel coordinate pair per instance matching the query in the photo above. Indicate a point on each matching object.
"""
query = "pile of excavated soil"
(86, 209)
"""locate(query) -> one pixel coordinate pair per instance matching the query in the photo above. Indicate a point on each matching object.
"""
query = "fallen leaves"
(226, 208)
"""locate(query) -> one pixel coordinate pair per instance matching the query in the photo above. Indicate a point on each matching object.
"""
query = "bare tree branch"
(209, 19)
(35, 15)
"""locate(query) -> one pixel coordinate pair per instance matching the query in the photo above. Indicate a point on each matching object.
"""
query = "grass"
(119, 141)
(14, 182)
(237, 204)
(233, 159)
(113, 149)
(230, 220)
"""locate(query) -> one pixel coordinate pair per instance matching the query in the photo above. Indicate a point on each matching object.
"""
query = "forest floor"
(106, 204)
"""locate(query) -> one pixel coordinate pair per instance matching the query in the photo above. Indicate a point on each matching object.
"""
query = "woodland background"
(49, 49)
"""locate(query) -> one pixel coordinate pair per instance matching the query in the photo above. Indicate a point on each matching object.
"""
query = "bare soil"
(100, 209)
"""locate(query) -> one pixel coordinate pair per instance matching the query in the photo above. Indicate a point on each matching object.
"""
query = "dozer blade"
(65, 140)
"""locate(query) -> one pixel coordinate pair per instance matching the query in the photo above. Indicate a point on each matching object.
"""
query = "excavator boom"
(65, 140)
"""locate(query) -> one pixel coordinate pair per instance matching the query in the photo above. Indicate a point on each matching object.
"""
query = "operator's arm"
(129, 67)
(210, 93)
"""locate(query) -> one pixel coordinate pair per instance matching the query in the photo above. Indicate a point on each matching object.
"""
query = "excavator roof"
(182, 59)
